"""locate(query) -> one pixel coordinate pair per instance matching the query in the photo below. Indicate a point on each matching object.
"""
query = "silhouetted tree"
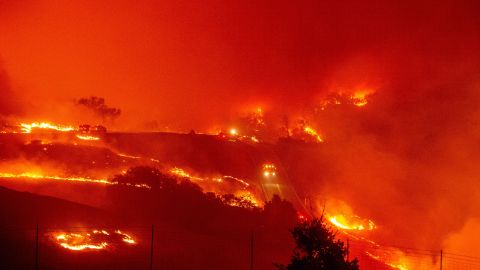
(98, 106)
(317, 249)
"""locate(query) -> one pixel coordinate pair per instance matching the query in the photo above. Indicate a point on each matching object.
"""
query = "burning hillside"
(94, 240)
(233, 116)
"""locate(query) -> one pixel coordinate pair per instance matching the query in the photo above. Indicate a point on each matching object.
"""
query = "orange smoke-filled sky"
(191, 63)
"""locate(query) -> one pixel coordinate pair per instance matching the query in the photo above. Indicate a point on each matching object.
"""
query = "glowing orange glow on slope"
(359, 98)
(241, 193)
(312, 132)
(50, 177)
(352, 226)
(87, 137)
(31, 175)
(351, 223)
(94, 240)
(396, 265)
(28, 128)
(233, 132)
(182, 173)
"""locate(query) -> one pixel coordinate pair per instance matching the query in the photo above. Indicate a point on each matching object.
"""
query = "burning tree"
(316, 248)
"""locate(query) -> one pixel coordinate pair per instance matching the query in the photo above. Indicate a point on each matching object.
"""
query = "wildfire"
(312, 132)
(359, 98)
(182, 173)
(31, 175)
(351, 227)
(94, 240)
(87, 137)
(242, 194)
(395, 265)
(28, 128)
(50, 177)
(351, 223)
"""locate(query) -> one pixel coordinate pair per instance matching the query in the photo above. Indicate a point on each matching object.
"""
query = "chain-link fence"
(149, 247)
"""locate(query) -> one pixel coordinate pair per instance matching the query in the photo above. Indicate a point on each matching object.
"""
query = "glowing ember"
(233, 132)
(94, 240)
(87, 137)
(28, 128)
(312, 132)
(351, 223)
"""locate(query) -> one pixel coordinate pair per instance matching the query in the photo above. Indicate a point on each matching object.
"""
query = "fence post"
(36, 247)
(151, 248)
(441, 258)
(252, 239)
(348, 249)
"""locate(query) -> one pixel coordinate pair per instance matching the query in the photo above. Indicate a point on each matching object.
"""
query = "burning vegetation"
(93, 240)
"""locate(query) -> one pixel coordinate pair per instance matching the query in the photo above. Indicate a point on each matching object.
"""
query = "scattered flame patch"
(312, 132)
(50, 177)
(30, 175)
(242, 196)
(28, 128)
(94, 240)
(351, 223)
(87, 137)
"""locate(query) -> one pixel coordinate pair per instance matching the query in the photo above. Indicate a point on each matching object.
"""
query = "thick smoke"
(9, 104)
(408, 159)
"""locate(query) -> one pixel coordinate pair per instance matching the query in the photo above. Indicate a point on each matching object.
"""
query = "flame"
(396, 265)
(28, 128)
(87, 137)
(312, 132)
(353, 227)
(50, 177)
(94, 240)
(182, 173)
(32, 175)
(128, 156)
(359, 98)
(204, 183)
(351, 223)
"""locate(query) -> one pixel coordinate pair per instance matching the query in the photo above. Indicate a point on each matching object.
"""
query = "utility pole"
(151, 249)
(441, 258)
(36, 248)
(251, 249)
(348, 249)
